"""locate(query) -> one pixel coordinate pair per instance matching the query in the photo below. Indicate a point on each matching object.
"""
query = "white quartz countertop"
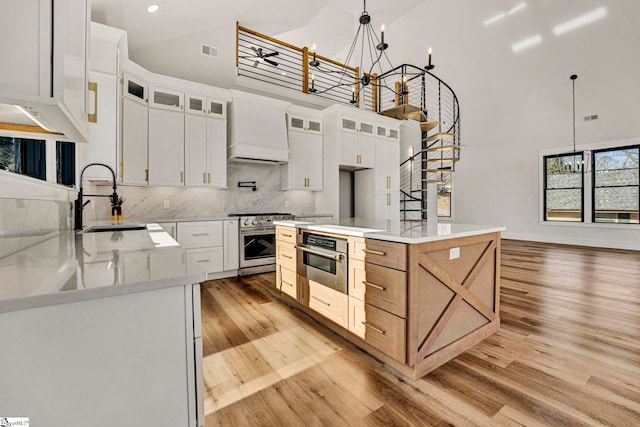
(394, 231)
(71, 267)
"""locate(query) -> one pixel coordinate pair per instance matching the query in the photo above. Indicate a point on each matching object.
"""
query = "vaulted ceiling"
(471, 53)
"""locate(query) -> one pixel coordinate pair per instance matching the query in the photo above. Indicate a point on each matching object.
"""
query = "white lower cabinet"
(211, 259)
(213, 245)
(231, 245)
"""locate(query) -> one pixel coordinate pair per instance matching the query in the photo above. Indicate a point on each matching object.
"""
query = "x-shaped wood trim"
(461, 292)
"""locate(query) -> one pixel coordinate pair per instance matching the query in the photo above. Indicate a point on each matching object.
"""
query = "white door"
(166, 147)
(366, 151)
(348, 149)
(135, 128)
(195, 150)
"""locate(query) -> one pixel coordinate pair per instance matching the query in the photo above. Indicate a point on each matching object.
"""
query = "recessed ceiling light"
(526, 43)
(580, 21)
(153, 8)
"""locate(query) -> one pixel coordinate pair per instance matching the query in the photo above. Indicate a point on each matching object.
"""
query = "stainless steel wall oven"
(323, 259)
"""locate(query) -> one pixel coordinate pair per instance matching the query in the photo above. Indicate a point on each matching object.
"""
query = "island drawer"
(385, 332)
(386, 288)
(286, 255)
(286, 234)
(387, 254)
(288, 282)
(330, 303)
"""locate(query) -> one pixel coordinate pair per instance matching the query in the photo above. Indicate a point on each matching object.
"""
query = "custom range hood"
(257, 129)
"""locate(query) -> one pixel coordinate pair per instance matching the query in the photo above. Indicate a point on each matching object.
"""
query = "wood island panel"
(453, 303)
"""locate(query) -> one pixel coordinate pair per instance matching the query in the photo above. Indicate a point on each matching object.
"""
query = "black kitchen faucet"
(79, 205)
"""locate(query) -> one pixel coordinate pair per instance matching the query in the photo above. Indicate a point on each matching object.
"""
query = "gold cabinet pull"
(287, 256)
(146, 175)
(388, 199)
(203, 260)
(380, 331)
(284, 282)
(372, 252)
(121, 169)
(204, 177)
(181, 176)
(373, 285)
(388, 183)
(209, 177)
(323, 302)
(93, 117)
(287, 235)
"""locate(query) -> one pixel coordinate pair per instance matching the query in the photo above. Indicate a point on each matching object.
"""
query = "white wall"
(514, 105)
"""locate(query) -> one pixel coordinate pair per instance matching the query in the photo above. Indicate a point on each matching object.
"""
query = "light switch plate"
(166, 204)
(454, 253)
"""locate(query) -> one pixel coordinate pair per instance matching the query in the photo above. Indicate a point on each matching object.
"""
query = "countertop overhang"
(71, 267)
(411, 232)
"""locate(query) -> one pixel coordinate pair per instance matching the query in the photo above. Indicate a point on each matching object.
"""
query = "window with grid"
(564, 187)
(616, 185)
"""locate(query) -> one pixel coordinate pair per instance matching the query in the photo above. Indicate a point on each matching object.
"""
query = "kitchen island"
(416, 294)
(102, 326)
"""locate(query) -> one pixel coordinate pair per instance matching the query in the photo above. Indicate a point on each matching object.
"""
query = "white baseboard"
(612, 244)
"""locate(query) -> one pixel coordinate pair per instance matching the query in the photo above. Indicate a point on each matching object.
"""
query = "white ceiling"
(476, 60)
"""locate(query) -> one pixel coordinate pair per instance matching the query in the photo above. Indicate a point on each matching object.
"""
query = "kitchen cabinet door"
(195, 150)
(135, 88)
(387, 165)
(348, 149)
(104, 131)
(217, 108)
(314, 163)
(166, 99)
(294, 173)
(135, 128)
(216, 154)
(387, 205)
(195, 104)
(166, 147)
(231, 245)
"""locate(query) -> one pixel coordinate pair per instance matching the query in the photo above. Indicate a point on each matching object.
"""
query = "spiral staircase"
(430, 101)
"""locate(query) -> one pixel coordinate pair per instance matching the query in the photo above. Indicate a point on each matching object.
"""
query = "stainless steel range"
(258, 241)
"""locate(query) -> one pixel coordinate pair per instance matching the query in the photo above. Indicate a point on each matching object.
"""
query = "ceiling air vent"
(592, 117)
(214, 52)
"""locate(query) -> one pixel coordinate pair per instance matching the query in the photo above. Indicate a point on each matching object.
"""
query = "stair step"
(418, 116)
(400, 111)
(441, 148)
(443, 159)
(427, 126)
(435, 137)
(438, 170)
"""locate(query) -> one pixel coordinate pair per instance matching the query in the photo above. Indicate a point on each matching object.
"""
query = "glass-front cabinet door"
(167, 99)
(195, 104)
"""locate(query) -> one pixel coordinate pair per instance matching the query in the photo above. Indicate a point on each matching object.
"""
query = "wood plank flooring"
(568, 354)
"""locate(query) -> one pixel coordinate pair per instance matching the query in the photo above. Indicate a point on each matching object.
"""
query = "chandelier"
(373, 57)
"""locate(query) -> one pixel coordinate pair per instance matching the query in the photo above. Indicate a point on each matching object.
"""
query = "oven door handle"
(338, 257)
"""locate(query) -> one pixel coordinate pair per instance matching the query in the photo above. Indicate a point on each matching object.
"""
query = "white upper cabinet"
(44, 62)
(135, 135)
(205, 151)
(135, 88)
(304, 169)
(166, 147)
(166, 98)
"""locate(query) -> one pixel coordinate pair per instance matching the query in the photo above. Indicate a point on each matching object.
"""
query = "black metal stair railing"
(418, 89)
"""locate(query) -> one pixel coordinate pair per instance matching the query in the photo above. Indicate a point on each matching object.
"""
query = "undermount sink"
(115, 227)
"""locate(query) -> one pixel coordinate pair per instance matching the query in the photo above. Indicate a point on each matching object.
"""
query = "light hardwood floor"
(568, 354)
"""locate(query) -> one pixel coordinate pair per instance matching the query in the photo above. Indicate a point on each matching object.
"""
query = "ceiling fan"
(260, 56)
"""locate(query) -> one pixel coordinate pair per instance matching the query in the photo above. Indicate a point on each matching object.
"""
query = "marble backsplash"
(146, 203)
(25, 222)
